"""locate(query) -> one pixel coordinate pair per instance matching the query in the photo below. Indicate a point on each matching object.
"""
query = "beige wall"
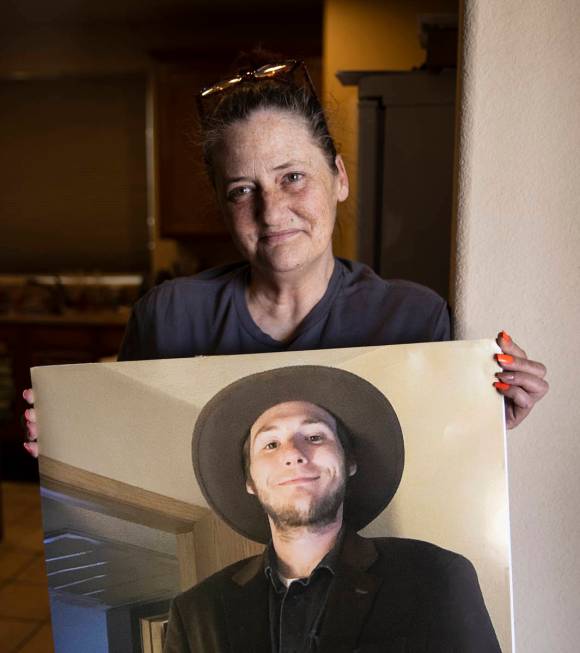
(518, 268)
(365, 35)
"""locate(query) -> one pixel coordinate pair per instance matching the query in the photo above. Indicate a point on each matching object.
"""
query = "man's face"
(297, 465)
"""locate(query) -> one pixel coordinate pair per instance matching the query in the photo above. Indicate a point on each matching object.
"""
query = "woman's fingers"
(523, 366)
(32, 448)
(32, 430)
(518, 405)
(30, 424)
(532, 384)
(521, 380)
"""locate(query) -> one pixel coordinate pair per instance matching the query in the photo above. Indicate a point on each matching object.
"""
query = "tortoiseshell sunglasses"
(290, 71)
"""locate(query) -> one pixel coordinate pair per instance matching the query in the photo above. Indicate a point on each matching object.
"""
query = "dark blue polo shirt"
(207, 314)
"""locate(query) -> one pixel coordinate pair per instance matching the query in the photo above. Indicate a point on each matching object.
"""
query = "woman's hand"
(31, 444)
(521, 380)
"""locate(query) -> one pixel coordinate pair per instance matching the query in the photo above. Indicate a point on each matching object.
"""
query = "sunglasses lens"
(285, 70)
(220, 86)
(271, 70)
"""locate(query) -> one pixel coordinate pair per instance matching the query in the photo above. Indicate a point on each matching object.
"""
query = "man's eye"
(316, 437)
(271, 445)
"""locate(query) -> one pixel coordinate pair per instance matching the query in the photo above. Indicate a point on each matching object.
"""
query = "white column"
(518, 268)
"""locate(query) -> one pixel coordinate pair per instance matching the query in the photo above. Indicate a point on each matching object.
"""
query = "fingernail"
(501, 386)
(506, 376)
(504, 358)
(505, 336)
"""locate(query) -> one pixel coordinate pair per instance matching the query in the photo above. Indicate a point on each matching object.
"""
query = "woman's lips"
(279, 236)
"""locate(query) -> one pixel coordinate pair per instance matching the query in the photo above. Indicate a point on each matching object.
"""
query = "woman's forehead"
(268, 138)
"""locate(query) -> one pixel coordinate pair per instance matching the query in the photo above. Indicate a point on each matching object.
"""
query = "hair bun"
(255, 58)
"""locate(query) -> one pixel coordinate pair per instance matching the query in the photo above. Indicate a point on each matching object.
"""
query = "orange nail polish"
(501, 386)
(505, 336)
(504, 358)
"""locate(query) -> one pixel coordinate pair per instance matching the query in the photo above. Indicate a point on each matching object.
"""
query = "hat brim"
(225, 421)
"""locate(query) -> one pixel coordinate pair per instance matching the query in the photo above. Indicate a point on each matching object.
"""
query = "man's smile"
(298, 480)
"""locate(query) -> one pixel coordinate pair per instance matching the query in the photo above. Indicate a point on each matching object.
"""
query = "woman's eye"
(293, 177)
(238, 193)
(271, 445)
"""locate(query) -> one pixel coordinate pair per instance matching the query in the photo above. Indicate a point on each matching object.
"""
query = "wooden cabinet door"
(185, 198)
(406, 146)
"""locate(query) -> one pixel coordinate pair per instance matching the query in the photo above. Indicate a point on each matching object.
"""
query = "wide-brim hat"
(224, 424)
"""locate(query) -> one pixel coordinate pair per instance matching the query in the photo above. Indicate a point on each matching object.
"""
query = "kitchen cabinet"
(186, 206)
(30, 340)
(405, 173)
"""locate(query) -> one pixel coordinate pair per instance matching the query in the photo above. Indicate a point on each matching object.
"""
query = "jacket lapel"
(246, 609)
(351, 595)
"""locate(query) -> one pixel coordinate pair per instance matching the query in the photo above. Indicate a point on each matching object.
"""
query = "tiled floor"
(24, 607)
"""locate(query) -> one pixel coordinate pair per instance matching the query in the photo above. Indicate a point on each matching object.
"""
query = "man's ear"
(250, 487)
(352, 469)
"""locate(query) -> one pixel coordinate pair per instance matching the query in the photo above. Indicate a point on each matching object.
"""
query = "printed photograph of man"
(302, 458)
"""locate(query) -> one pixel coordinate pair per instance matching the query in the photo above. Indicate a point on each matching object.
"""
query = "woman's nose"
(270, 208)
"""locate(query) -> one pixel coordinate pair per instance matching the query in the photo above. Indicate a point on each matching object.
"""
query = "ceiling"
(138, 11)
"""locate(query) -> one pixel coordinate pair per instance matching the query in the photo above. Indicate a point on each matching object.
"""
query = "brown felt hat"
(226, 419)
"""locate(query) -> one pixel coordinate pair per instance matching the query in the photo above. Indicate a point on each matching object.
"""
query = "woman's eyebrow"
(289, 164)
(282, 166)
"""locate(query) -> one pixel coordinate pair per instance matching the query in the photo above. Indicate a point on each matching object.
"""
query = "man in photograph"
(303, 457)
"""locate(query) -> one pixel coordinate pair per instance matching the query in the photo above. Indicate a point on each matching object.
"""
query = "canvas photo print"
(335, 500)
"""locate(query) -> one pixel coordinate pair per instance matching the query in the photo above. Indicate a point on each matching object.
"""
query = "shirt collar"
(328, 562)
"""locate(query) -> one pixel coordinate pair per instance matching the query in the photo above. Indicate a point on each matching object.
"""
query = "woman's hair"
(237, 104)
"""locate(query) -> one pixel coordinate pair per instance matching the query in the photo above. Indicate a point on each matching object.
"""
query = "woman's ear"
(342, 179)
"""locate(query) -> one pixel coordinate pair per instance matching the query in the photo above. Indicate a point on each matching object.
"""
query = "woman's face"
(277, 192)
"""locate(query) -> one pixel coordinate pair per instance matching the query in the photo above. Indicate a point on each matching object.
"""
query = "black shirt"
(296, 611)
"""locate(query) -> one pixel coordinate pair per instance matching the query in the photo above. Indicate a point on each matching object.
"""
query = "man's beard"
(322, 511)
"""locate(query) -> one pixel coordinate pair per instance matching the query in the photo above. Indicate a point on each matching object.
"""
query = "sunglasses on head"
(291, 71)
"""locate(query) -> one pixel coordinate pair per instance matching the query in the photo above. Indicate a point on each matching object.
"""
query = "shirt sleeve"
(175, 636)
(442, 326)
(140, 341)
(132, 348)
(473, 630)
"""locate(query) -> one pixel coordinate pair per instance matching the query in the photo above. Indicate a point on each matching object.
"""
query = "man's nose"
(294, 455)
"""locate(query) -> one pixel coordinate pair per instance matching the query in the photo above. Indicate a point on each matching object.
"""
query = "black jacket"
(389, 595)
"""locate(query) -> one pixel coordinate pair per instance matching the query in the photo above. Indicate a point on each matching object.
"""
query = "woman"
(278, 180)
